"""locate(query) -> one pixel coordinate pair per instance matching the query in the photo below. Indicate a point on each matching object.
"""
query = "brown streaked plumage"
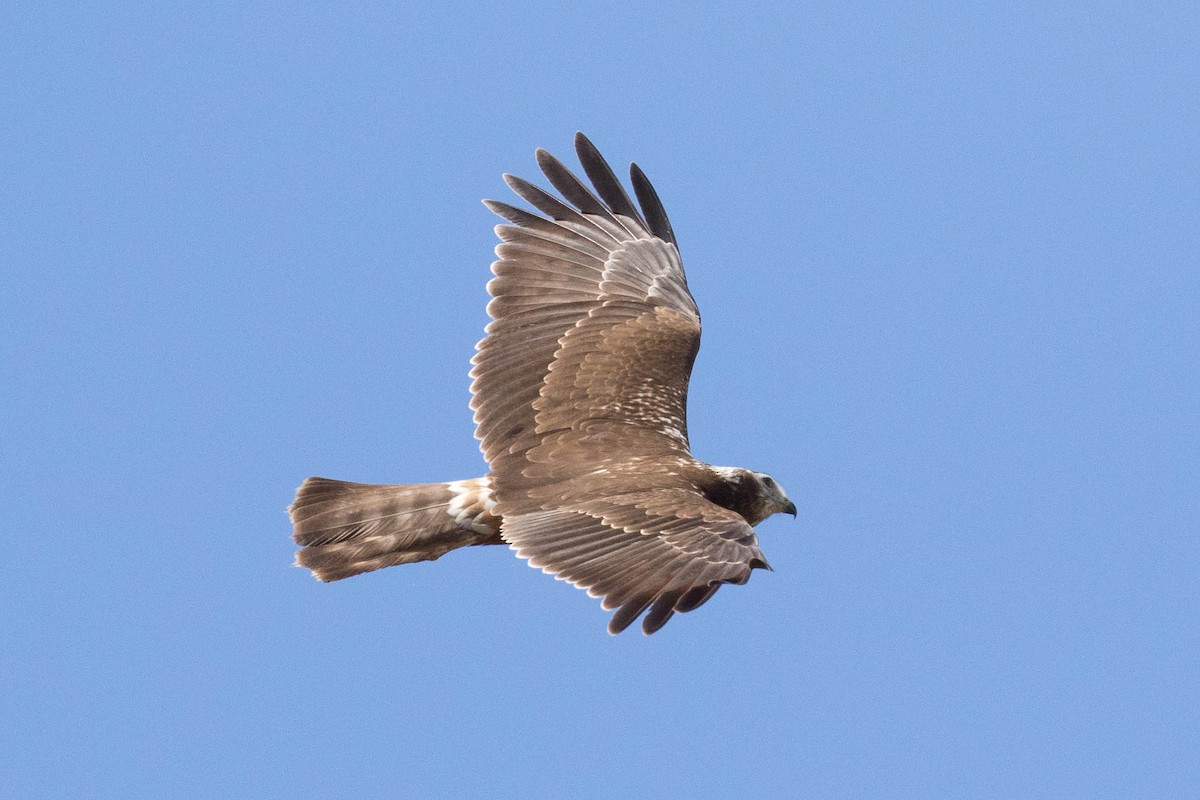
(580, 398)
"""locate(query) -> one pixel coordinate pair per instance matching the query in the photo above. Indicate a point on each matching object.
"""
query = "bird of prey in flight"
(580, 399)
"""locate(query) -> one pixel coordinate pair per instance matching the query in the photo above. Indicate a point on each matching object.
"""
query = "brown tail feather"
(348, 528)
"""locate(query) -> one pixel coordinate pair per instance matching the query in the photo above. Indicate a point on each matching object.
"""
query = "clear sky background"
(949, 265)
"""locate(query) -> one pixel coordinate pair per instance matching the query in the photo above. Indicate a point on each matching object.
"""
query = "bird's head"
(754, 495)
(774, 498)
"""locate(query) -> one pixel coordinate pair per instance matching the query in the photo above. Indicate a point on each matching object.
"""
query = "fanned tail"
(348, 528)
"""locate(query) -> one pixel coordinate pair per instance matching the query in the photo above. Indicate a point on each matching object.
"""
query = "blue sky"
(947, 257)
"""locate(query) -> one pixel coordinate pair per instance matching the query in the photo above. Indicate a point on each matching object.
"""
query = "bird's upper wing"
(591, 320)
(580, 398)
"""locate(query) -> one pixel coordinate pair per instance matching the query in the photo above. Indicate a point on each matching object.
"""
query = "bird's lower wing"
(665, 550)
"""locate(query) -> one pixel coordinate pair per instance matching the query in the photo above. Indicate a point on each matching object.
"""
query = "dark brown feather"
(656, 215)
(605, 180)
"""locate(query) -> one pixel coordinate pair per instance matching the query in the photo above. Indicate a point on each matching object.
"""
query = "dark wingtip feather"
(539, 198)
(569, 185)
(604, 179)
(518, 216)
(627, 613)
(696, 597)
(662, 610)
(652, 207)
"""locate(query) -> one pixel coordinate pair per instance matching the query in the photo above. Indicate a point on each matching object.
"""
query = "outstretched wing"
(666, 550)
(591, 321)
(580, 398)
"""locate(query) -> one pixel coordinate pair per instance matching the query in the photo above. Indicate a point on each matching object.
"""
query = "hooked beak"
(790, 508)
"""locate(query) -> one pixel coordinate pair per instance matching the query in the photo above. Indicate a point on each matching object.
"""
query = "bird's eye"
(768, 481)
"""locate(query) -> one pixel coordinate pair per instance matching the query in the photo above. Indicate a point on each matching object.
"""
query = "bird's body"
(580, 394)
